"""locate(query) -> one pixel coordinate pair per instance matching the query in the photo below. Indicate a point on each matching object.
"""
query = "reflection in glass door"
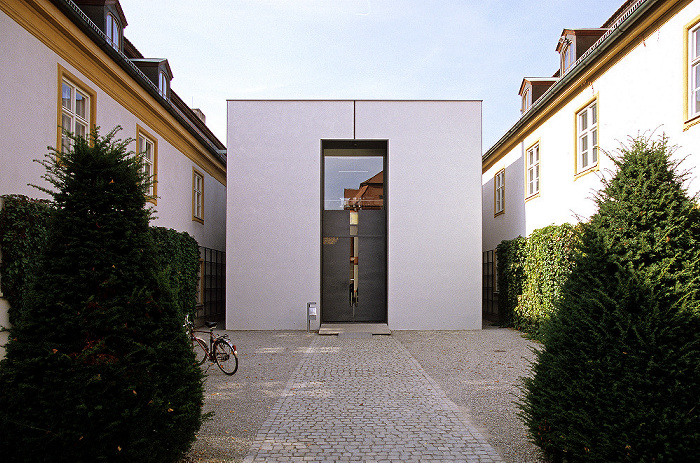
(354, 233)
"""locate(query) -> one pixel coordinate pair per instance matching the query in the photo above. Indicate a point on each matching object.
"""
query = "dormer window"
(574, 43)
(108, 16)
(113, 32)
(157, 70)
(567, 56)
(163, 84)
(532, 89)
(527, 100)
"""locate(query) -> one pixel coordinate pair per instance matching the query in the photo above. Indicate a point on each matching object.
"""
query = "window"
(694, 72)
(75, 113)
(527, 100)
(113, 32)
(148, 149)
(587, 137)
(499, 198)
(163, 84)
(567, 56)
(197, 196)
(533, 170)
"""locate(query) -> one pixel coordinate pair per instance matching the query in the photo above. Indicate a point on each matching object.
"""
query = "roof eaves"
(602, 44)
(74, 12)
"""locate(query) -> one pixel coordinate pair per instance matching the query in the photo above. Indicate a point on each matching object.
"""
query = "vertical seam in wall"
(354, 117)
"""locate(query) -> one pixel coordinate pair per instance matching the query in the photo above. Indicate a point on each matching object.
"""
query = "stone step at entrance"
(354, 330)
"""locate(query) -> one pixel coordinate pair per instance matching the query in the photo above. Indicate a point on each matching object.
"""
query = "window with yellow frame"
(147, 147)
(499, 192)
(692, 65)
(587, 137)
(76, 108)
(532, 170)
(197, 196)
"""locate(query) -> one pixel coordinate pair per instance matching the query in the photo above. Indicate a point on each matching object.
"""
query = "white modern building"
(369, 209)
(67, 64)
(639, 73)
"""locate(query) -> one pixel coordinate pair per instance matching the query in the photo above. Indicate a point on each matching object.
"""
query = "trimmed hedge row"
(531, 273)
(23, 232)
(511, 257)
(177, 254)
(24, 225)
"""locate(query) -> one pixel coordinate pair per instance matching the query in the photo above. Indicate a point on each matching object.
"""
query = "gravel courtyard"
(476, 373)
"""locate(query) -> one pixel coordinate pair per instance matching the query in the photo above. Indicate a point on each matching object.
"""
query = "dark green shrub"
(177, 253)
(618, 376)
(509, 267)
(98, 368)
(548, 262)
(23, 231)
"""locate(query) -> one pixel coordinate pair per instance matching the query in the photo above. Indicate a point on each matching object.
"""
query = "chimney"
(200, 115)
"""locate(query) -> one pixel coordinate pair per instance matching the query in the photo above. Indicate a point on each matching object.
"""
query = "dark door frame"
(351, 145)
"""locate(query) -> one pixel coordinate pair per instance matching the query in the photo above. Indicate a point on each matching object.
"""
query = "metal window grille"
(489, 304)
(213, 284)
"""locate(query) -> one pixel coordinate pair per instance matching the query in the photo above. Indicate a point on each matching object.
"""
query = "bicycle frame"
(221, 355)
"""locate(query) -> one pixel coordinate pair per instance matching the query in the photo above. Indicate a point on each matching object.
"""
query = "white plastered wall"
(655, 68)
(434, 213)
(29, 93)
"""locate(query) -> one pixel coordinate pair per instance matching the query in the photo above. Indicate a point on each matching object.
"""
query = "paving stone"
(370, 399)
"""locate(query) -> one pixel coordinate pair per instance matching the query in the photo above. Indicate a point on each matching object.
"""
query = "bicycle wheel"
(225, 355)
(200, 350)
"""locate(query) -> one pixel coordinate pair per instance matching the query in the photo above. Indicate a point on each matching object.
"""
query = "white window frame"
(693, 72)
(148, 148)
(75, 112)
(587, 137)
(113, 31)
(163, 84)
(197, 196)
(567, 56)
(499, 192)
(532, 170)
(527, 99)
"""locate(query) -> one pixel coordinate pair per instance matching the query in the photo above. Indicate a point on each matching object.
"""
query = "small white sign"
(312, 310)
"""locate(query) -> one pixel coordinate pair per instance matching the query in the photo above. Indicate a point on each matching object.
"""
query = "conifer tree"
(618, 375)
(99, 367)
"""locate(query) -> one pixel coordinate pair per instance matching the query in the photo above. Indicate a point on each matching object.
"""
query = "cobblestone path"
(365, 399)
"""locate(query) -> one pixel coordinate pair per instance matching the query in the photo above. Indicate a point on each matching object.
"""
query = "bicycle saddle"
(210, 324)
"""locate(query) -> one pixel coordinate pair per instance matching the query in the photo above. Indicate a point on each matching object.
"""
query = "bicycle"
(220, 350)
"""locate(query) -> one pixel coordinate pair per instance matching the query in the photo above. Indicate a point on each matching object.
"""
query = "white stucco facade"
(433, 215)
(41, 48)
(640, 90)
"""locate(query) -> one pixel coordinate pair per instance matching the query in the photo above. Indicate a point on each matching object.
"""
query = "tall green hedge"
(548, 262)
(531, 272)
(177, 254)
(23, 231)
(98, 367)
(618, 376)
(24, 225)
(510, 259)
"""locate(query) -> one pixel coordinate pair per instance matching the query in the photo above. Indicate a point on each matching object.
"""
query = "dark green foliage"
(618, 376)
(510, 259)
(23, 231)
(98, 368)
(177, 253)
(548, 262)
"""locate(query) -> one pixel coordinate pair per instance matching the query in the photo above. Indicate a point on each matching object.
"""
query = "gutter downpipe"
(591, 54)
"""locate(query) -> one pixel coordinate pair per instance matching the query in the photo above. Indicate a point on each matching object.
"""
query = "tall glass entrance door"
(353, 259)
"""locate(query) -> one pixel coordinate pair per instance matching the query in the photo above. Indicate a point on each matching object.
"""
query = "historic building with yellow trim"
(68, 65)
(639, 73)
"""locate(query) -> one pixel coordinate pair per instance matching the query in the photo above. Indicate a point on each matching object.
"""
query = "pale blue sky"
(358, 49)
